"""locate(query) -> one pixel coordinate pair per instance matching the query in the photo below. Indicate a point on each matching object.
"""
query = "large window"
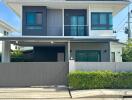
(88, 56)
(101, 21)
(34, 20)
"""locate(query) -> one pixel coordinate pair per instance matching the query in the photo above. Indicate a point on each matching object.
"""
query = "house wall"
(117, 48)
(55, 22)
(103, 47)
(100, 32)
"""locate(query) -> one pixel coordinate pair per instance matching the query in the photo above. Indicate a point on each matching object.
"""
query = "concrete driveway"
(34, 93)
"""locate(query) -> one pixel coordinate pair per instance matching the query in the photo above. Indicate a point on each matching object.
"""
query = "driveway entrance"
(33, 74)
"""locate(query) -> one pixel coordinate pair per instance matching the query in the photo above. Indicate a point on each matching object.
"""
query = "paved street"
(74, 99)
(59, 93)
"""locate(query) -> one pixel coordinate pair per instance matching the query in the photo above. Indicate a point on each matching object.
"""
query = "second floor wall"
(44, 21)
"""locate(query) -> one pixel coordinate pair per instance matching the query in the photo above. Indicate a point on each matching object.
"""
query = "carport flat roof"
(57, 38)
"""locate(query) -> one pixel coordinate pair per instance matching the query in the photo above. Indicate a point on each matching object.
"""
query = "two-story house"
(62, 34)
(60, 30)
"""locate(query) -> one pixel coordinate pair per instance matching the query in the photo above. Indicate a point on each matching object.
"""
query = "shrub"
(127, 52)
(100, 80)
(17, 53)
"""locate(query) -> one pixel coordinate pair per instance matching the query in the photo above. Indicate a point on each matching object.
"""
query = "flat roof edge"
(26, 38)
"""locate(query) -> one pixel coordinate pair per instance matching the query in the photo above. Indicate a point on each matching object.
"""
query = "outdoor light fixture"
(105, 51)
(71, 58)
(52, 42)
(16, 42)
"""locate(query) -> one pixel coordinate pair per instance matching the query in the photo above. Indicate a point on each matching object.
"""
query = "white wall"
(98, 8)
(117, 48)
(101, 66)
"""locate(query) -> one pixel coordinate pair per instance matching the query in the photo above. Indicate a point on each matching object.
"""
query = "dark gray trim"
(34, 32)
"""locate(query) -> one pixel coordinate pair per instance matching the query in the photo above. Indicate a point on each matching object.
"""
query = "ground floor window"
(88, 55)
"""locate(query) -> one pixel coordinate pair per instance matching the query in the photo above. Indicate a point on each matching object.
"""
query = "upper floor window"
(34, 20)
(101, 21)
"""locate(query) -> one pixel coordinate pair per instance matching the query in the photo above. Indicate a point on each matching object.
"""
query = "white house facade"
(61, 30)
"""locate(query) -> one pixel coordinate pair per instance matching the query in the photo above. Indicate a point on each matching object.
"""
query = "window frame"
(106, 26)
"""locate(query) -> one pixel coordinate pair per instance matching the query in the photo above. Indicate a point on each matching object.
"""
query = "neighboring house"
(6, 30)
(61, 30)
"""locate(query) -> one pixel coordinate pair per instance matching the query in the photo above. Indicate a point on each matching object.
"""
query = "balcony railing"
(75, 30)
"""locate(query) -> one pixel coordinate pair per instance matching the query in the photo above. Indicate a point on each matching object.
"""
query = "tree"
(127, 52)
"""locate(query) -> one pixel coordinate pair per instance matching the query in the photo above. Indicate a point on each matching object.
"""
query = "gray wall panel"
(54, 22)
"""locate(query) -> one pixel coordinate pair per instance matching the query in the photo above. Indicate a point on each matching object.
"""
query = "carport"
(48, 41)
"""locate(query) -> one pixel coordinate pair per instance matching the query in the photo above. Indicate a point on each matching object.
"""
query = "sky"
(7, 15)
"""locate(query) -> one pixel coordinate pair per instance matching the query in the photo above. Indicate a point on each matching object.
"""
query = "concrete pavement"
(34, 93)
(62, 93)
(102, 93)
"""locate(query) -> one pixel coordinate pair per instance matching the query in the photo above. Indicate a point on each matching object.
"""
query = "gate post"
(71, 65)
(5, 51)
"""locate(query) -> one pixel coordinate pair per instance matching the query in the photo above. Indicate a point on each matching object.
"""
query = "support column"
(63, 22)
(6, 51)
(68, 51)
(89, 20)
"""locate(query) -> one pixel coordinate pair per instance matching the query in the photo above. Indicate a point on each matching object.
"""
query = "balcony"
(76, 30)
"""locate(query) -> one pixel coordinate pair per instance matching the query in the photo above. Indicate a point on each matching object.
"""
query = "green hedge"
(100, 80)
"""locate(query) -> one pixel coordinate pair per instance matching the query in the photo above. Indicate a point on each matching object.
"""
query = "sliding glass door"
(88, 56)
(75, 22)
(77, 26)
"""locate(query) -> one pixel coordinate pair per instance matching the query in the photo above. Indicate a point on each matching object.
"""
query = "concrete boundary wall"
(33, 74)
(96, 66)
